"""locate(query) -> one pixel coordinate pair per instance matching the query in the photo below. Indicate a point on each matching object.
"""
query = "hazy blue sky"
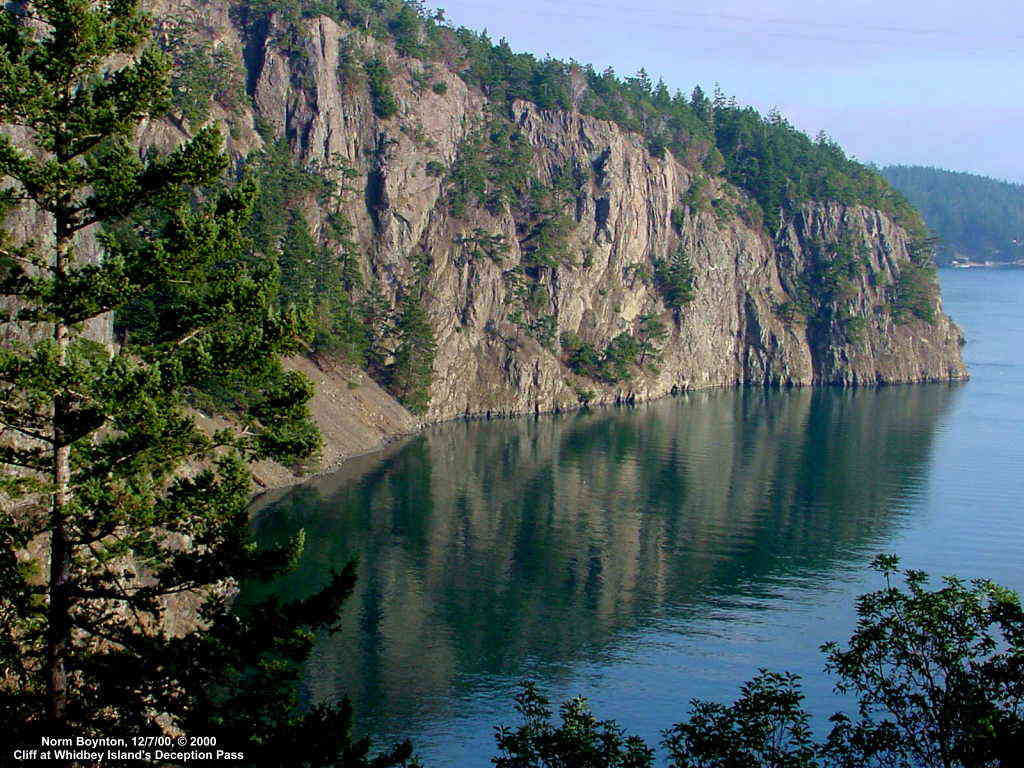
(930, 82)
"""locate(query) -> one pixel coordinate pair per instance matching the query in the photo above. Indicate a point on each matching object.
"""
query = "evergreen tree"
(378, 324)
(298, 259)
(339, 237)
(104, 465)
(621, 352)
(406, 28)
(700, 103)
(662, 97)
(674, 278)
(411, 372)
(649, 334)
(339, 327)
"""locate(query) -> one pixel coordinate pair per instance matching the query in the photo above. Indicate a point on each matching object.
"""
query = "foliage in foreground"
(109, 481)
(937, 674)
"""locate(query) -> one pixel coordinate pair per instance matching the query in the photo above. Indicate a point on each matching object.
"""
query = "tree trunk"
(59, 612)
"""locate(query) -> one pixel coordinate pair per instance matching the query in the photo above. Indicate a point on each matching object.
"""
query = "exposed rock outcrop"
(732, 333)
(625, 213)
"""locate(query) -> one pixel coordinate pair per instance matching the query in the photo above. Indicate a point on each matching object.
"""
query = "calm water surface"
(645, 556)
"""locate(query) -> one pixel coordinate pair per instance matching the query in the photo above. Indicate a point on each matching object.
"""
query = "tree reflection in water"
(492, 548)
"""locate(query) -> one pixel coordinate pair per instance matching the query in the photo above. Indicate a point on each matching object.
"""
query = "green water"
(643, 556)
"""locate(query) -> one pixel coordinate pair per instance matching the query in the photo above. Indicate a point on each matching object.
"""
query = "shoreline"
(392, 440)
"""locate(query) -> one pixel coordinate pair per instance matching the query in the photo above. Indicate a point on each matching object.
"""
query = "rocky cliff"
(624, 214)
(505, 318)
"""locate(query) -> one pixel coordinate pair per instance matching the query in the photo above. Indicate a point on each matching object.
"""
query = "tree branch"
(27, 433)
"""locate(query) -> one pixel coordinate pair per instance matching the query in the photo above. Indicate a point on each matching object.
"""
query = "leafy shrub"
(547, 245)
(350, 62)
(657, 146)
(579, 739)
(723, 208)
(937, 675)
(636, 271)
(854, 328)
(584, 396)
(483, 244)
(544, 330)
(421, 79)
(696, 195)
(766, 727)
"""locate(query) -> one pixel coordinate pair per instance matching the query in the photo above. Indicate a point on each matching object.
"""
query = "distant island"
(979, 220)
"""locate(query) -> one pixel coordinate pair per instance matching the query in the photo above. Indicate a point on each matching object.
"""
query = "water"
(645, 556)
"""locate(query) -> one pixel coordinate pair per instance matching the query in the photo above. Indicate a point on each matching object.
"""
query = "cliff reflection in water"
(492, 548)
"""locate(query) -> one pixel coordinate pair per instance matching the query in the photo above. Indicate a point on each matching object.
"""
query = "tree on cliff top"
(107, 475)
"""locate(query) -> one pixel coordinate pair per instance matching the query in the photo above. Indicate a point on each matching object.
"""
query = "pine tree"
(106, 471)
(702, 107)
(298, 259)
(650, 333)
(675, 279)
(411, 372)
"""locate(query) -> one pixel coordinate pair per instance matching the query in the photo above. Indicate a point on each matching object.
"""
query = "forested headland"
(977, 219)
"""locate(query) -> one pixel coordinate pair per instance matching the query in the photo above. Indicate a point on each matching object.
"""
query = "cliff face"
(621, 222)
(623, 213)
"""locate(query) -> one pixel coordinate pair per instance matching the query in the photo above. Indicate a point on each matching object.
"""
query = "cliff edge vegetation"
(487, 232)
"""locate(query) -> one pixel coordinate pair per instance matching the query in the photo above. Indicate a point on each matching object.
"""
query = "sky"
(919, 82)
